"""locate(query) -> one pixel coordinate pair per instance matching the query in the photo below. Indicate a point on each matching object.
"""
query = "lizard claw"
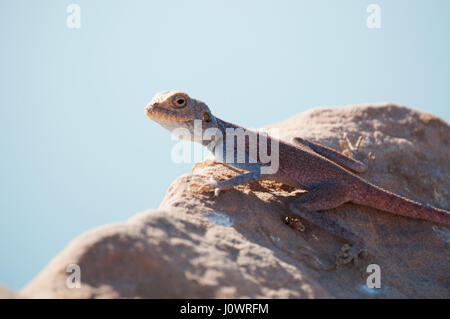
(348, 253)
(209, 186)
(353, 150)
(294, 223)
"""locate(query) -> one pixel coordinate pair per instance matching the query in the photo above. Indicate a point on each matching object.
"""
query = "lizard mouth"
(157, 113)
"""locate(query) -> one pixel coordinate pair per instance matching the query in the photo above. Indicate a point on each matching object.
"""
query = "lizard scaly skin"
(328, 176)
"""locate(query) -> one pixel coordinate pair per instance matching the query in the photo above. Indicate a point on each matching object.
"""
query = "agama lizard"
(328, 176)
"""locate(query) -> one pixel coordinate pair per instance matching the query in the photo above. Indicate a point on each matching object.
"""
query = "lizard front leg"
(217, 186)
(353, 163)
(326, 196)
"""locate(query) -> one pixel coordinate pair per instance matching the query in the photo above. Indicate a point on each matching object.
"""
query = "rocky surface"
(236, 245)
(6, 293)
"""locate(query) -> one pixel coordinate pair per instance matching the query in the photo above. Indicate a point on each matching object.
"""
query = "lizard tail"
(381, 199)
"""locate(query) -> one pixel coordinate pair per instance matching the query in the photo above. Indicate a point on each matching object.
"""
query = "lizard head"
(175, 109)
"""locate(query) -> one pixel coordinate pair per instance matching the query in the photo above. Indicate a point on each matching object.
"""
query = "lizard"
(329, 177)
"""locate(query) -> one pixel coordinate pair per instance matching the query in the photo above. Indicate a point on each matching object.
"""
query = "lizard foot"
(202, 187)
(348, 253)
(294, 223)
(352, 150)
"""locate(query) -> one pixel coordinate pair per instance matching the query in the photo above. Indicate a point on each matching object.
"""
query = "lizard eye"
(206, 117)
(179, 101)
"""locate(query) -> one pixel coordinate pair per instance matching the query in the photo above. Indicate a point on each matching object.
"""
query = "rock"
(6, 293)
(236, 245)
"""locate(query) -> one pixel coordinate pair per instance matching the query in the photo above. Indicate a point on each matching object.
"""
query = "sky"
(77, 150)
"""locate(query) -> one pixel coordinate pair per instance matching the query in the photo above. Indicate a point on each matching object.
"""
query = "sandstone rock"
(236, 245)
(6, 293)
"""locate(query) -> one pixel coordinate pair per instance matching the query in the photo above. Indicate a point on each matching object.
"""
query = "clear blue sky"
(76, 148)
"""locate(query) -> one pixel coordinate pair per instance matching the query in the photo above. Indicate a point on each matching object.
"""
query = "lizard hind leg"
(327, 196)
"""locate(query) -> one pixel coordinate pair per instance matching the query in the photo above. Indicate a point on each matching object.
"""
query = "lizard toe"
(200, 186)
(348, 253)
